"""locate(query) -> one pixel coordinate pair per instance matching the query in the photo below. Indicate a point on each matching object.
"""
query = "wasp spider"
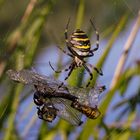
(79, 47)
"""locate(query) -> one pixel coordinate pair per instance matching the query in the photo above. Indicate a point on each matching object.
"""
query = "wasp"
(79, 47)
(90, 112)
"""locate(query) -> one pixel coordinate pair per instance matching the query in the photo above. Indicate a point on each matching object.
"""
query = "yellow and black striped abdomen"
(90, 112)
(80, 41)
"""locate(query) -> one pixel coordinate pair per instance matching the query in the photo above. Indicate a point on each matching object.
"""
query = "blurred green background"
(30, 30)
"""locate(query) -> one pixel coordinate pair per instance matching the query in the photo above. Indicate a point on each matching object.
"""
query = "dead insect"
(68, 102)
(90, 112)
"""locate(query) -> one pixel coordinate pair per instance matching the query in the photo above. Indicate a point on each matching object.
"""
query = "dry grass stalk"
(127, 47)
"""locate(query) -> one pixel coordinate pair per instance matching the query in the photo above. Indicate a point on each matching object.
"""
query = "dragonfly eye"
(36, 95)
(38, 99)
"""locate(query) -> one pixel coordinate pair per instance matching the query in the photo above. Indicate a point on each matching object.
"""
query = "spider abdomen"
(80, 42)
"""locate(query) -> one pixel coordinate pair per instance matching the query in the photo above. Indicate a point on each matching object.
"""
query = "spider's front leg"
(66, 33)
(96, 69)
(91, 75)
(71, 67)
(97, 37)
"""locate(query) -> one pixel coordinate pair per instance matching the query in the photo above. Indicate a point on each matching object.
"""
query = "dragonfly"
(68, 103)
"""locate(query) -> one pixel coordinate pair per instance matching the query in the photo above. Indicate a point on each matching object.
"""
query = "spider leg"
(66, 32)
(71, 67)
(65, 52)
(97, 37)
(66, 69)
(91, 75)
(96, 69)
(89, 55)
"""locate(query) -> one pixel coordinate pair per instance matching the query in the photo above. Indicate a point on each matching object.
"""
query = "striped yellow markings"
(92, 113)
(80, 39)
(82, 47)
(77, 33)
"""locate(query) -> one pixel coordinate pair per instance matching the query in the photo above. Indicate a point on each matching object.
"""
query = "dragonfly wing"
(33, 78)
(87, 96)
(24, 76)
(94, 95)
(66, 112)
